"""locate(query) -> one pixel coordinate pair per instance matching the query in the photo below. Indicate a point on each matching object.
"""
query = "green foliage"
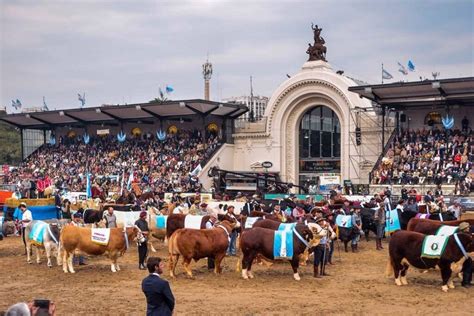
(10, 145)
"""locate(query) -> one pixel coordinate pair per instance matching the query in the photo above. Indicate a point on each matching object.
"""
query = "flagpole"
(382, 73)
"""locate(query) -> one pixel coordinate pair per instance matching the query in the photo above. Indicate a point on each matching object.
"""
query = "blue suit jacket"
(159, 298)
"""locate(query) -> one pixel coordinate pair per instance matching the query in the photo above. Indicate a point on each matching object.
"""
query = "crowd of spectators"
(429, 156)
(159, 166)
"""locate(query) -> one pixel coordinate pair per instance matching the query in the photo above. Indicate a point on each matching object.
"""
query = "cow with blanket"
(177, 221)
(97, 241)
(426, 252)
(199, 243)
(282, 244)
(346, 229)
(42, 235)
(405, 217)
(432, 227)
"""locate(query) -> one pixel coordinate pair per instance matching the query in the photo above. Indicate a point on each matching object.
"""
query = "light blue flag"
(130, 180)
(411, 66)
(88, 186)
(392, 222)
(169, 89)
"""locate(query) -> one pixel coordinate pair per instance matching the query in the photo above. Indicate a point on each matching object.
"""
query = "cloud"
(121, 51)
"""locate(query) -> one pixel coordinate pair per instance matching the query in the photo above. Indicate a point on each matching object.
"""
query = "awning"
(405, 95)
(124, 113)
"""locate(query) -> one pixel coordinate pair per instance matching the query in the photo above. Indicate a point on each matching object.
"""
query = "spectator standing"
(110, 218)
(379, 218)
(357, 228)
(456, 209)
(26, 218)
(231, 251)
(159, 297)
(142, 246)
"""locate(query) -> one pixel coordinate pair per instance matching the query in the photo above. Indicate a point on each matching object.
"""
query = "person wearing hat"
(202, 209)
(320, 253)
(379, 218)
(455, 209)
(142, 247)
(210, 225)
(346, 208)
(298, 213)
(464, 227)
(231, 250)
(26, 218)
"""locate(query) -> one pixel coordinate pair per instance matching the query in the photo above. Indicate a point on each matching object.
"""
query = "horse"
(408, 245)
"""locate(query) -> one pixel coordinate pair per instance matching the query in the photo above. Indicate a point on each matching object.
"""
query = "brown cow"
(199, 243)
(273, 217)
(260, 241)
(73, 238)
(176, 221)
(430, 227)
(407, 245)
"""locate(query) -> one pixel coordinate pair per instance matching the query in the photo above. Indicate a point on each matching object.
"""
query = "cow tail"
(389, 268)
(173, 244)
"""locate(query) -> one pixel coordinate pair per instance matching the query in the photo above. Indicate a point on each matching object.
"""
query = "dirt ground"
(357, 286)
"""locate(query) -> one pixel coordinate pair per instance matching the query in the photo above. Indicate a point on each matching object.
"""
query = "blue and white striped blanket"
(37, 232)
(283, 244)
(161, 221)
(286, 226)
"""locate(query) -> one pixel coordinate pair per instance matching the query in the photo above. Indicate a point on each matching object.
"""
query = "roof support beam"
(235, 116)
(41, 120)
(193, 109)
(112, 116)
(74, 118)
(232, 112)
(211, 110)
(152, 113)
(8, 122)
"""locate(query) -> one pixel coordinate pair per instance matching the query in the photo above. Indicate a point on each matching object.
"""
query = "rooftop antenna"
(435, 75)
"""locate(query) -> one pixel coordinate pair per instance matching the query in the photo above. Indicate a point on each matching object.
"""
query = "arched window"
(320, 134)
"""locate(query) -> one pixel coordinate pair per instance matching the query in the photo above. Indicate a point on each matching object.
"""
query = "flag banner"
(402, 69)
(411, 66)
(392, 221)
(130, 180)
(169, 89)
(196, 170)
(386, 74)
(88, 186)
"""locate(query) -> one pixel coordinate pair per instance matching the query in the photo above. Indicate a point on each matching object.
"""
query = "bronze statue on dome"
(317, 51)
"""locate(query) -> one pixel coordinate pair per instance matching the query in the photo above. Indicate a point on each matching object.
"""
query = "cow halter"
(225, 229)
(461, 247)
(301, 238)
(51, 234)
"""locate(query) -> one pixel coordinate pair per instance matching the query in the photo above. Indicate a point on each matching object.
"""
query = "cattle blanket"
(288, 226)
(344, 221)
(250, 221)
(37, 232)
(392, 222)
(100, 236)
(161, 221)
(433, 246)
(193, 221)
(283, 244)
(126, 219)
(446, 230)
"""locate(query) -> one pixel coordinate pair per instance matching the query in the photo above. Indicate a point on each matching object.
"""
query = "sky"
(120, 52)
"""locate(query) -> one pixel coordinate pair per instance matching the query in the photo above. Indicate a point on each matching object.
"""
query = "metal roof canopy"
(404, 95)
(113, 114)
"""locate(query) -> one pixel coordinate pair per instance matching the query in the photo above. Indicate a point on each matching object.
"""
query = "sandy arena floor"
(357, 285)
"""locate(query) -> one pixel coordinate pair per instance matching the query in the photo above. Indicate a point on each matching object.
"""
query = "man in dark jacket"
(159, 298)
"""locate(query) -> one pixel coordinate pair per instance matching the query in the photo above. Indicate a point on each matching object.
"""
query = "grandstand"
(432, 144)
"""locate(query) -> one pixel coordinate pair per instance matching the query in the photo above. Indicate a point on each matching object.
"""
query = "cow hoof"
(297, 277)
(65, 271)
(444, 288)
(250, 274)
(460, 275)
(398, 282)
(451, 285)
(404, 280)
(29, 262)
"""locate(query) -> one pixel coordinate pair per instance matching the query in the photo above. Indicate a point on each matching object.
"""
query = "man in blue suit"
(159, 298)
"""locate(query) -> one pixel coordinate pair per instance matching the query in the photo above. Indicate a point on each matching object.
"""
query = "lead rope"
(225, 229)
(126, 238)
(461, 247)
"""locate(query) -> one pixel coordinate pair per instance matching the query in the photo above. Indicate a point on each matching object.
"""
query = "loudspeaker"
(403, 118)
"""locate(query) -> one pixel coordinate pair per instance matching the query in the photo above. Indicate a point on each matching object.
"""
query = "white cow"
(50, 241)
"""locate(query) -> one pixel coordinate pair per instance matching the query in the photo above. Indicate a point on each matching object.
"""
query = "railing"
(244, 126)
(385, 149)
(206, 160)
